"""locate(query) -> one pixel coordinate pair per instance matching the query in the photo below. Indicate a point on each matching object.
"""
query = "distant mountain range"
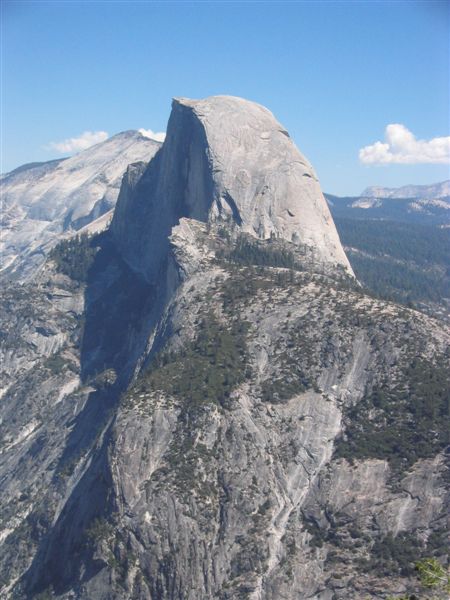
(398, 242)
(423, 204)
(425, 192)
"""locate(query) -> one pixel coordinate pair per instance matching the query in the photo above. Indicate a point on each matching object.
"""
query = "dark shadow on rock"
(65, 558)
(118, 318)
(121, 309)
(117, 302)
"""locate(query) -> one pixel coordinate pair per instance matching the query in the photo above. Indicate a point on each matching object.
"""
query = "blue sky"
(336, 74)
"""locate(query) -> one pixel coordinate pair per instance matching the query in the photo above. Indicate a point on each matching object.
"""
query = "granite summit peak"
(225, 159)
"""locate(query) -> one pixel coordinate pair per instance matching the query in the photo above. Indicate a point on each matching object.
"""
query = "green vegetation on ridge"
(401, 422)
(204, 371)
(74, 256)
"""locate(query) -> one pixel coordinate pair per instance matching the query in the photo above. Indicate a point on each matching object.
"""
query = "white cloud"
(402, 147)
(83, 141)
(159, 137)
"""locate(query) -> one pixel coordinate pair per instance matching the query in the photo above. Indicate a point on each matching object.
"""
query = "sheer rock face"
(225, 159)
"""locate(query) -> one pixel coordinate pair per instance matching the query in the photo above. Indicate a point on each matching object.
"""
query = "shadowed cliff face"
(225, 160)
(177, 183)
(120, 311)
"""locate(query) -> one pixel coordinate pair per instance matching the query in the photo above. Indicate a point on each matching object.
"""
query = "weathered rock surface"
(245, 425)
(40, 202)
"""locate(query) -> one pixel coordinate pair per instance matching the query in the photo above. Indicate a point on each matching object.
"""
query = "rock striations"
(202, 404)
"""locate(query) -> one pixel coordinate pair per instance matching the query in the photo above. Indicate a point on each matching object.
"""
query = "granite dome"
(226, 159)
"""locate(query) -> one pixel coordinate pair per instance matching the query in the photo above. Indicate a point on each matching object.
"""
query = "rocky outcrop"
(215, 474)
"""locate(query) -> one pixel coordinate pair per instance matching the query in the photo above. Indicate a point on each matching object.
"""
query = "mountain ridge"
(23, 249)
(49, 200)
(434, 211)
(228, 418)
(430, 191)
